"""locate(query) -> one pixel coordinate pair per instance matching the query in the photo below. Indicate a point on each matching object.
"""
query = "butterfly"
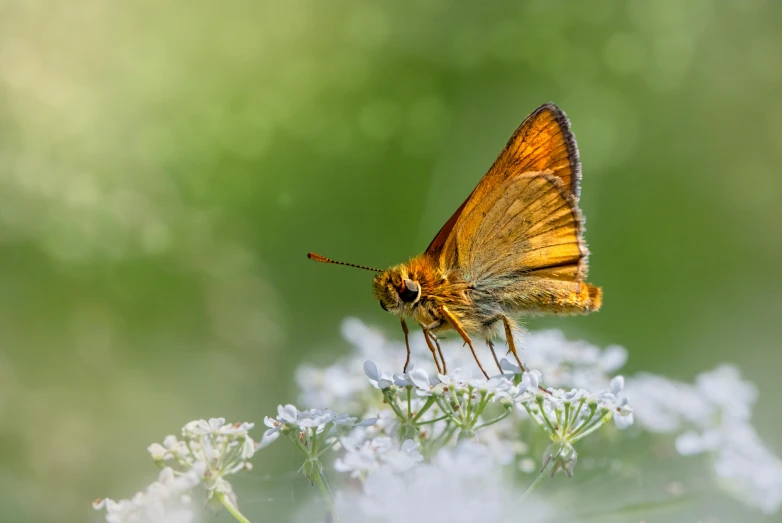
(515, 247)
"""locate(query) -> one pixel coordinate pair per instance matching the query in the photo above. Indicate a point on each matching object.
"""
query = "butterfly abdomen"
(534, 296)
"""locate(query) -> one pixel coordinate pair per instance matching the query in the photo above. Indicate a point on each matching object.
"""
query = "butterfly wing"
(523, 217)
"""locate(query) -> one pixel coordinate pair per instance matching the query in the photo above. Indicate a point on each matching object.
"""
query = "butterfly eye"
(409, 291)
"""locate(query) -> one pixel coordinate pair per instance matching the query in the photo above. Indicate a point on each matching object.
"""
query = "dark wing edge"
(569, 138)
(438, 243)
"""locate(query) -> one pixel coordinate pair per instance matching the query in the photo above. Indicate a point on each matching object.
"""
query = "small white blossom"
(570, 415)
(360, 460)
(460, 485)
(414, 377)
(211, 448)
(379, 379)
(319, 420)
(713, 415)
(461, 380)
(166, 500)
(530, 381)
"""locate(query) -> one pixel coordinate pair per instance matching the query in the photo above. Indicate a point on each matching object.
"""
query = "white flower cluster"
(443, 429)
(207, 453)
(571, 363)
(317, 420)
(166, 500)
(713, 416)
(368, 456)
(568, 416)
(572, 413)
(341, 386)
(445, 444)
(212, 446)
(425, 385)
(463, 484)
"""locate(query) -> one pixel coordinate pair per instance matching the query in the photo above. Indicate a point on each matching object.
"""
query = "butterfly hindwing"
(533, 228)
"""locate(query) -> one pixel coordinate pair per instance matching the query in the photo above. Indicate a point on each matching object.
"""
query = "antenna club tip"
(318, 258)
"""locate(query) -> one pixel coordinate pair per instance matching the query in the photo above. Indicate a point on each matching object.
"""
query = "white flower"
(461, 380)
(158, 452)
(571, 363)
(617, 384)
(404, 458)
(568, 416)
(713, 416)
(210, 449)
(341, 385)
(166, 500)
(419, 378)
(371, 455)
(508, 366)
(624, 415)
(318, 420)
(414, 377)
(381, 380)
(460, 485)
(530, 381)
(726, 390)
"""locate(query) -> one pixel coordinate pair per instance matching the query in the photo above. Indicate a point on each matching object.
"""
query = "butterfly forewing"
(522, 218)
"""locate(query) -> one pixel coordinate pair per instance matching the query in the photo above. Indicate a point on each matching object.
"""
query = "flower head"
(166, 500)
(318, 420)
(369, 456)
(211, 448)
(570, 415)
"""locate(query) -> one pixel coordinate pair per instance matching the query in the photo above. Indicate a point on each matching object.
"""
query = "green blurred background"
(164, 168)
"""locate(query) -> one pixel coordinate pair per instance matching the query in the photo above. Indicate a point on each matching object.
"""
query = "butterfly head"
(396, 290)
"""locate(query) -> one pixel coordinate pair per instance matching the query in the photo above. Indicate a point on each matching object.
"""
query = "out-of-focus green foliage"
(165, 166)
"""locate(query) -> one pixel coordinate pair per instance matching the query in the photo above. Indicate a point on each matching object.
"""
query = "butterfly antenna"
(323, 259)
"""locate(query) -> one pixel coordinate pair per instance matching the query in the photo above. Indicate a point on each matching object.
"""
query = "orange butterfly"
(514, 247)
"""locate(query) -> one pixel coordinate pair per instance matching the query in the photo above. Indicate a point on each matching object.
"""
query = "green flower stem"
(445, 406)
(575, 415)
(485, 397)
(392, 403)
(596, 425)
(231, 508)
(444, 437)
(409, 402)
(583, 426)
(464, 411)
(324, 489)
(533, 416)
(544, 473)
(327, 448)
(298, 444)
(468, 410)
(539, 401)
(495, 420)
(435, 420)
(429, 402)
(313, 440)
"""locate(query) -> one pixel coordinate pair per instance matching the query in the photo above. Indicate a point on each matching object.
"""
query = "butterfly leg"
(511, 344)
(512, 347)
(432, 349)
(428, 329)
(458, 327)
(439, 350)
(494, 354)
(407, 344)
